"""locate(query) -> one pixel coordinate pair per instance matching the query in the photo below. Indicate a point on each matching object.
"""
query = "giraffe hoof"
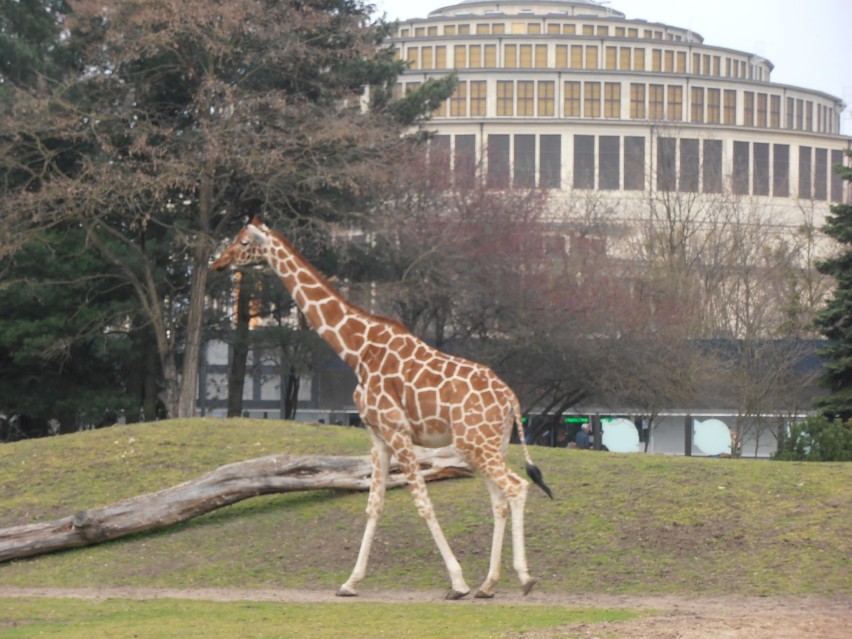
(483, 594)
(527, 587)
(455, 594)
(343, 591)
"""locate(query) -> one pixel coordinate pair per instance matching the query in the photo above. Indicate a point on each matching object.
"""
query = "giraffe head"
(247, 248)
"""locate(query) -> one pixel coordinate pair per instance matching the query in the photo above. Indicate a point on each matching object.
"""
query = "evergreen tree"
(835, 322)
(63, 351)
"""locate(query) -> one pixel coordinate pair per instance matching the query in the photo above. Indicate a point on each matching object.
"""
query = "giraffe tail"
(533, 471)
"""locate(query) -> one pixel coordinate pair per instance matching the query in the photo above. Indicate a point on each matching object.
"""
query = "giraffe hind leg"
(513, 490)
(500, 509)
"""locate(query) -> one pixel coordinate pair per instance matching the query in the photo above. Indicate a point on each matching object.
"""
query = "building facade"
(570, 95)
(573, 97)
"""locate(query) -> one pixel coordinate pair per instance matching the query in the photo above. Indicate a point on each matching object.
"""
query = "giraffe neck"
(341, 324)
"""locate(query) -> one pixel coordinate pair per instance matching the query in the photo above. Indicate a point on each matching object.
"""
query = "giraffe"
(409, 393)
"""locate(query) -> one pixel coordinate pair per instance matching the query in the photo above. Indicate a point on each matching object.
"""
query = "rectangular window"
(561, 56)
(464, 161)
(550, 160)
(426, 57)
(711, 169)
(637, 101)
(697, 106)
(775, 111)
(760, 178)
(576, 56)
(525, 54)
(460, 56)
(439, 155)
(413, 57)
(458, 101)
(526, 98)
(748, 108)
(791, 112)
(675, 103)
(541, 56)
(714, 106)
(612, 58)
(505, 97)
(762, 110)
(809, 116)
(498, 28)
(669, 58)
(800, 115)
(836, 180)
(524, 177)
(681, 61)
(666, 166)
(546, 98)
(805, 172)
(639, 59)
(572, 99)
(612, 100)
(591, 57)
(634, 163)
(510, 56)
(498, 161)
(655, 102)
(740, 176)
(592, 100)
(483, 28)
(584, 161)
(441, 57)
(609, 152)
(478, 97)
(624, 59)
(689, 165)
(656, 60)
(820, 174)
(474, 57)
(781, 170)
(730, 115)
(490, 51)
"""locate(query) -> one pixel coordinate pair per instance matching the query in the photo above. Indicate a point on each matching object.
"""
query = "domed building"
(572, 96)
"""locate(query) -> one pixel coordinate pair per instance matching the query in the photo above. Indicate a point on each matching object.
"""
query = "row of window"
(579, 56)
(537, 28)
(608, 162)
(657, 102)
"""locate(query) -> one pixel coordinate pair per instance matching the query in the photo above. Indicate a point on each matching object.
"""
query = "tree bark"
(222, 487)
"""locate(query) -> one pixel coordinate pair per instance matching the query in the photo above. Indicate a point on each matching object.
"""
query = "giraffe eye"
(244, 242)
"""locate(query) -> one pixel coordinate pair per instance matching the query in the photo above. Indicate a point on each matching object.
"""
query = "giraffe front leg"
(408, 464)
(380, 456)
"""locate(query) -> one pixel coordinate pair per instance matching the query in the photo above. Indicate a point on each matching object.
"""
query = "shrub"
(817, 439)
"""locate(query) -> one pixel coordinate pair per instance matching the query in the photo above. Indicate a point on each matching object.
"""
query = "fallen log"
(224, 486)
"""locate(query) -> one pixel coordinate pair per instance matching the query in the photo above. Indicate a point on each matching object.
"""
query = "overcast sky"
(808, 41)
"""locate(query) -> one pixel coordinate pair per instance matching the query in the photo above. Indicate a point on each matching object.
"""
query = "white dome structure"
(572, 96)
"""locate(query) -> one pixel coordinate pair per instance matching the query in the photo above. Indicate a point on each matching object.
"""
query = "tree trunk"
(240, 347)
(224, 486)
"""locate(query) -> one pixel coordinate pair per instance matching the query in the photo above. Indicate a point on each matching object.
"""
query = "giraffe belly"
(432, 435)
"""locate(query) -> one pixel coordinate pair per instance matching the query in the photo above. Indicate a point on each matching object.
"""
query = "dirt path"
(664, 617)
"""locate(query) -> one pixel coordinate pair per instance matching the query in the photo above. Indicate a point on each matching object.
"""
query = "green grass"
(120, 619)
(619, 524)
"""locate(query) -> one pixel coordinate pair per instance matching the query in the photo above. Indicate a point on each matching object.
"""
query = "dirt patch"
(663, 617)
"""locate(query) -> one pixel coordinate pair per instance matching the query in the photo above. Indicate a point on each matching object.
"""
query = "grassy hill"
(619, 524)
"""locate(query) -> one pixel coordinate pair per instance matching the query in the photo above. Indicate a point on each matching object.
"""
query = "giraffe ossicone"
(409, 393)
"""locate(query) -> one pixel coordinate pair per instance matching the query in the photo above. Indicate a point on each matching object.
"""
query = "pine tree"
(835, 321)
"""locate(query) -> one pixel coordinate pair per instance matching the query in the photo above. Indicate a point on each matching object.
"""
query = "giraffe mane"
(326, 283)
